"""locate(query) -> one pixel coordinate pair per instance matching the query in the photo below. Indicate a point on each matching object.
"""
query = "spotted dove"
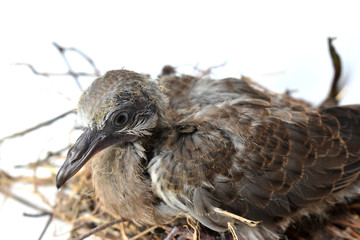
(227, 153)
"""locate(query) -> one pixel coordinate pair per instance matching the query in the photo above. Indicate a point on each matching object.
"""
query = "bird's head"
(120, 107)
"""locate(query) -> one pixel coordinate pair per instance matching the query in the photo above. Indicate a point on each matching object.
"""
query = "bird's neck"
(120, 182)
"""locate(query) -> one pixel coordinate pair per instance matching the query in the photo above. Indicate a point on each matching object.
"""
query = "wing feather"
(252, 153)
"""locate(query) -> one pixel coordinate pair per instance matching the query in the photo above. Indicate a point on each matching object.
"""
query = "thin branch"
(338, 85)
(144, 232)
(47, 74)
(207, 72)
(36, 72)
(336, 62)
(86, 57)
(46, 226)
(40, 125)
(176, 231)
(51, 217)
(24, 201)
(36, 215)
(99, 228)
(70, 72)
(45, 160)
(62, 50)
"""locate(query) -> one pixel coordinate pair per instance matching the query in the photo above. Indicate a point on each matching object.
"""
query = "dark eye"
(121, 119)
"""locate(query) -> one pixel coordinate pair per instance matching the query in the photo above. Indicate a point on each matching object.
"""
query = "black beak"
(87, 145)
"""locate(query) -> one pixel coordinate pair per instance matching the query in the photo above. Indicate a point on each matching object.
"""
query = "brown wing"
(323, 158)
(177, 89)
(247, 156)
(186, 92)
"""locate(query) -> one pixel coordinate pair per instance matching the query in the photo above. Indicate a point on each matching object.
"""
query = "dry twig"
(62, 50)
(99, 228)
(40, 125)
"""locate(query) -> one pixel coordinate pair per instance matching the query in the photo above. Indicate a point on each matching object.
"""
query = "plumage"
(212, 150)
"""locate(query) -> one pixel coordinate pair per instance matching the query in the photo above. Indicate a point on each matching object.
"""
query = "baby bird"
(227, 153)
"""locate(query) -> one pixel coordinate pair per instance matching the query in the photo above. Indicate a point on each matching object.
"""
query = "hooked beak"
(85, 147)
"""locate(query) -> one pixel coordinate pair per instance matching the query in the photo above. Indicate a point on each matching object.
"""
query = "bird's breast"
(122, 187)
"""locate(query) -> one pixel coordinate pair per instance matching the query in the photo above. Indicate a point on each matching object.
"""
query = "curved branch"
(40, 125)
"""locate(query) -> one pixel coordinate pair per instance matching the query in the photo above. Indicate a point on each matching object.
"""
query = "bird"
(229, 154)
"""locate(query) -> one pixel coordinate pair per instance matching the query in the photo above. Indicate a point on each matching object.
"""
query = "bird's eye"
(121, 119)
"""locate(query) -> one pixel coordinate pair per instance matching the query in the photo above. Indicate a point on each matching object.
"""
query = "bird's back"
(244, 150)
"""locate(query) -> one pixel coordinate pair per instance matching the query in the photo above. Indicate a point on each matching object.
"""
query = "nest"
(78, 206)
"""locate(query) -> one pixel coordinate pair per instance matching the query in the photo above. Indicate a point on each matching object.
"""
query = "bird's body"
(227, 153)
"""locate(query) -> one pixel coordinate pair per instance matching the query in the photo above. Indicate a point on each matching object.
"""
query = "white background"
(279, 44)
